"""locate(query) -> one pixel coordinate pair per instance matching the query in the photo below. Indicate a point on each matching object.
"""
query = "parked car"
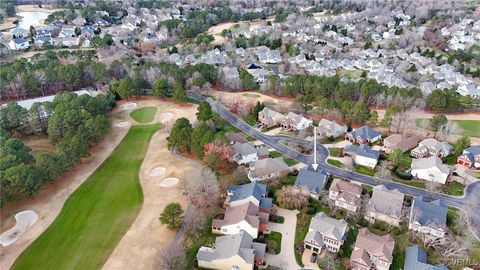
(313, 258)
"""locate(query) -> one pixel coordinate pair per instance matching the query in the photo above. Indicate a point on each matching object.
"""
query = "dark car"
(313, 258)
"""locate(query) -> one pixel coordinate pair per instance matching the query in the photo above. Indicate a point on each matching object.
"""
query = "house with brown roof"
(385, 205)
(296, 122)
(372, 251)
(268, 168)
(270, 118)
(346, 195)
(247, 217)
(398, 141)
(327, 128)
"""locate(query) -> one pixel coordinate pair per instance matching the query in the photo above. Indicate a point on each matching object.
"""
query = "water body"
(33, 18)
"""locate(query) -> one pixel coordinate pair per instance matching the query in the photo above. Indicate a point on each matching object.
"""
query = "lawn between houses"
(97, 215)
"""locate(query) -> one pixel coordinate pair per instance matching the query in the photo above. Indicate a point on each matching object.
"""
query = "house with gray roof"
(325, 233)
(267, 56)
(363, 135)
(470, 157)
(19, 44)
(372, 251)
(246, 153)
(270, 118)
(311, 181)
(432, 147)
(236, 251)
(215, 57)
(430, 169)
(362, 154)
(385, 205)
(428, 217)
(251, 192)
(416, 259)
(19, 33)
(268, 168)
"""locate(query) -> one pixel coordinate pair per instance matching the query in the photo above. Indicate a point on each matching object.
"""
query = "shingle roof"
(416, 259)
(328, 227)
(254, 189)
(386, 201)
(475, 150)
(267, 166)
(235, 214)
(374, 245)
(231, 245)
(365, 133)
(314, 180)
(431, 213)
(430, 162)
(362, 150)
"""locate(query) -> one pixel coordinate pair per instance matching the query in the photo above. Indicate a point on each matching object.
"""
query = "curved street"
(469, 204)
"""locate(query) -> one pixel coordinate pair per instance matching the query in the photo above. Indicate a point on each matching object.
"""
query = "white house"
(345, 194)
(246, 153)
(268, 168)
(296, 122)
(19, 44)
(245, 217)
(430, 169)
(362, 155)
(325, 233)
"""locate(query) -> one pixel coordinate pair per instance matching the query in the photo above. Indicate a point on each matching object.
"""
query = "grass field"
(335, 163)
(470, 128)
(144, 115)
(454, 188)
(274, 242)
(97, 215)
(365, 170)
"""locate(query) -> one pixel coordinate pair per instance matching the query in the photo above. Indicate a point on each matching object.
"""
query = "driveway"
(286, 258)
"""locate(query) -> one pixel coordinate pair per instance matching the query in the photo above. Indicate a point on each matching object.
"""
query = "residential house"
(428, 217)
(268, 168)
(19, 33)
(67, 32)
(416, 259)
(87, 30)
(327, 128)
(246, 217)
(267, 56)
(312, 181)
(470, 157)
(345, 194)
(79, 21)
(431, 147)
(469, 90)
(385, 205)
(215, 57)
(362, 154)
(255, 193)
(236, 251)
(430, 169)
(270, 118)
(237, 137)
(245, 153)
(372, 252)
(398, 141)
(43, 40)
(230, 77)
(19, 44)
(101, 22)
(363, 135)
(294, 121)
(69, 42)
(325, 233)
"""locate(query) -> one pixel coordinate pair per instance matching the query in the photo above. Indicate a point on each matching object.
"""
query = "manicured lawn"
(97, 215)
(335, 163)
(364, 170)
(453, 188)
(274, 242)
(335, 152)
(144, 115)
(288, 161)
(470, 128)
(300, 235)
(275, 154)
(418, 184)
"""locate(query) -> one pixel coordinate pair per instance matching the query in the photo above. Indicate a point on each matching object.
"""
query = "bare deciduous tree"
(203, 188)
(170, 257)
(292, 198)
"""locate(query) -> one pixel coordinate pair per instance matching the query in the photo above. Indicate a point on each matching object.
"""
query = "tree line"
(72, 123)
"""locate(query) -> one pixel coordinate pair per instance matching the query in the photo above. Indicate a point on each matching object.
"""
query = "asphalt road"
(470, 203)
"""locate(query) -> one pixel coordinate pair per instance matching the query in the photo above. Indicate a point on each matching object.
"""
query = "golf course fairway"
(97, 215)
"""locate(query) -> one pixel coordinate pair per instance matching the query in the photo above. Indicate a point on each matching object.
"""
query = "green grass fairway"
(144, 115)
(470, 128)
(97, 215)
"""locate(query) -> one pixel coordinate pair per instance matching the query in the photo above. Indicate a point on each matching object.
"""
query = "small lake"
(31, 18)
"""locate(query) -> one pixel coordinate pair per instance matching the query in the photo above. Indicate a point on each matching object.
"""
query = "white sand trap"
(169, 182)
(25, 220)
(122, 124)
(157, 171)
(165, 117)
(130, 105)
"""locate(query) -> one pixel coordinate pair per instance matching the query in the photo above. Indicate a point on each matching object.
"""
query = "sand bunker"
(157, 171)
(165, 117)
(169, 182)
(25, 220)
(122, 124)
(130, 105)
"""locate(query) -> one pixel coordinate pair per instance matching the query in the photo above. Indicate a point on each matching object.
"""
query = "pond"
(31, 18)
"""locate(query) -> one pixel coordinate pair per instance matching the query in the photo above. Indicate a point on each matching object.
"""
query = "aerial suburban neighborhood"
(240, 135)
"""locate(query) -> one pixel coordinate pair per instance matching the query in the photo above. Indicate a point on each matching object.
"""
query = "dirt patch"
(38, 145)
